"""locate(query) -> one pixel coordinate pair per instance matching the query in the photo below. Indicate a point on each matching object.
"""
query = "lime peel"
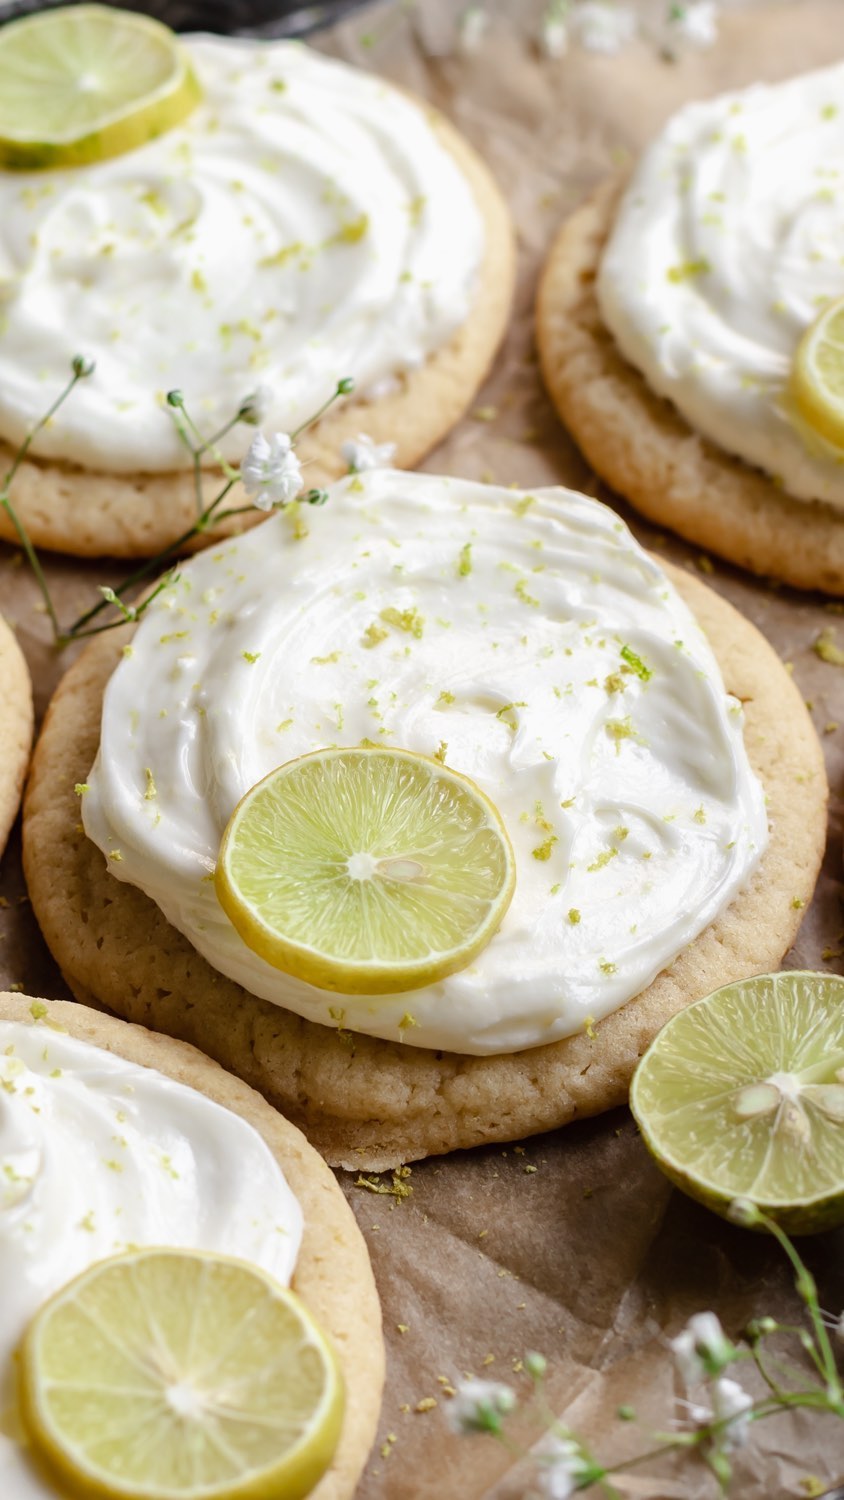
(817, 374)
(366, 871)
(180, 1375)
(83, 83)
(741, 1097)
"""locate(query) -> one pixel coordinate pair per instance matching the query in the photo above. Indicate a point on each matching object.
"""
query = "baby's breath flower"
(363, 452)
(693, 25)
(564, 1468)
(471, 28)
(731, 1403)
(553, 29)
(82, 366)
(602, 26)
(255, 407)
(271, 472)
(479, 1406)
(702, 1348)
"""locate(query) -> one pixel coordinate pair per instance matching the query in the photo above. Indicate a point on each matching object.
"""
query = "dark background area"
(254, 17)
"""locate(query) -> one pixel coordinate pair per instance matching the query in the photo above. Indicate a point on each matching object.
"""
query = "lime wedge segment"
(84, 83)
(818, 374)
(180, 1375)
(742, 1096)
(366, 871)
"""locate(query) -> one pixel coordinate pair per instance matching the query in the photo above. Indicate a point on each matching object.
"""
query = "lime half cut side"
(741, 1095)
(181, 1375)
(366, 871)
(817, 376)
(87, 82)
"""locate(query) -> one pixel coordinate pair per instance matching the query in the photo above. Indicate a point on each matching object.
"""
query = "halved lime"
(742, 1096)
(86, 82)
(179, 1375)
(366, 871)
(817, 376)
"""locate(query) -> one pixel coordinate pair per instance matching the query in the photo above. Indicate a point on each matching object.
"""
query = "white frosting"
(304, 224)
(726, 246)
(638, 792)
(97, 1155)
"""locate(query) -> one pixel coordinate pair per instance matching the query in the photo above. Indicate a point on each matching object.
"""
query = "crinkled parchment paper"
(572, 1244)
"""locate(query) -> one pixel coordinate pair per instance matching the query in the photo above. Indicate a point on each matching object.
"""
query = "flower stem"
(207, 515)
(808, 1292)
(343, 388)
(81, 369)
(80, 372)
(35, 564)
(154, 563)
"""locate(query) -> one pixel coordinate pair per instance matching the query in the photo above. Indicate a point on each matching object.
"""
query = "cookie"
(98, 514)
(15, 728)
(641, 446)
(374, 1104)
(333, 1275)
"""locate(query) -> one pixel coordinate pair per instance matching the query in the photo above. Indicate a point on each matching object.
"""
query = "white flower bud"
(255, 407)
(562, 1466)
(702, 1348)
(479, 1406)
(471, 28)
(363, 453)
(602, 26)
(693, 25)
(553, 30)
(731, 1403)
(271, 473)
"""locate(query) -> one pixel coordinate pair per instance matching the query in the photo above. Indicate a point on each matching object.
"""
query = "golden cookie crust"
(333, 1275)
(97, 514)
(641, 446)
(16, 721)
(369, 1103)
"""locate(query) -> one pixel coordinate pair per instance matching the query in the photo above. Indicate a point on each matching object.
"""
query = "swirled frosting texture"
(96, 1155)
(726, 245)
(304, 224)
(529, 640)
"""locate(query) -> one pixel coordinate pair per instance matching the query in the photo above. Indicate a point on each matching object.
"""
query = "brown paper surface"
(591, 1258)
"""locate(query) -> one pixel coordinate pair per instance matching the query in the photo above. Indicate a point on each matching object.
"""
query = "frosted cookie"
(530, 643)
(670, 314)
(15, 728)
(307, 222)
(110, 1133)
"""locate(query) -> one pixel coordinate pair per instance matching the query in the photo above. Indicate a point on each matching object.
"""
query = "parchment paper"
(572, 1244)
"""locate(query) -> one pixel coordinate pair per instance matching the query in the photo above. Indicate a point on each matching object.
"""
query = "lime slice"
(817, 375)
(742, 1096)
(87, 82)
(366, 871)
(177, 1375)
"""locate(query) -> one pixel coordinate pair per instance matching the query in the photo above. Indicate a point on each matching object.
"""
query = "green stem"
(34, 563)
(335, 396)
(609, 1489)
(780, 1364)
(679, 1440)
(131, 616)
(80, 372)
(153, 563)
(39, 425)
(823, 1356)
(236, 510)
(209, 445)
